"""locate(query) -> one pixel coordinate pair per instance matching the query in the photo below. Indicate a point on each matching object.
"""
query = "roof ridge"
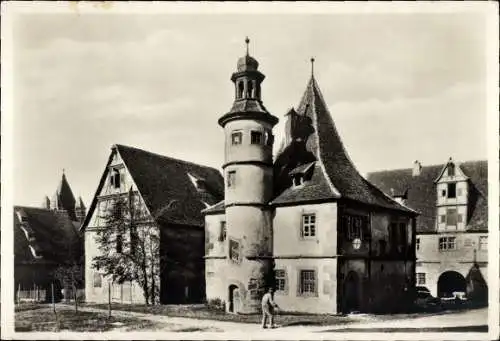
(165, 157)
(426, 166)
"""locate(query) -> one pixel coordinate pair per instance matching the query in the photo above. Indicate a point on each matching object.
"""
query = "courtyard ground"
(91, 319)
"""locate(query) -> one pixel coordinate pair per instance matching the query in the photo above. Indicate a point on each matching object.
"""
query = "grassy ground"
(29, 306)
(203, 312)
(68, 319)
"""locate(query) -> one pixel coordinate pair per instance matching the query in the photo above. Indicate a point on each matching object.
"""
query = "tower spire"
(312, 66)
(247, 42)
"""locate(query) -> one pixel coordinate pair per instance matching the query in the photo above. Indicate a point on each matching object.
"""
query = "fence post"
(53, 298)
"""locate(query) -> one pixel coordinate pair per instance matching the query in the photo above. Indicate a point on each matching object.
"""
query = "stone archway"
(449, 282)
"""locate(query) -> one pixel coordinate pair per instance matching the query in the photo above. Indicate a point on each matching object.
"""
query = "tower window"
(269, 138)
(236, 137)
(308, 225)
(417, 243)
(234, 250)
(256, 137)
(249, 89)
(223, 231)
(231, 178)
(241, 88)
(452, 190)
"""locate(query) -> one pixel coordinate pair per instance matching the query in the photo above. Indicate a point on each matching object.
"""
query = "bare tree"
(129, 246)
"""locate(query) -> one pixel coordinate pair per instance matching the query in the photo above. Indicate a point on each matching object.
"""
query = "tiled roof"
(422, 192)
(323, 141)
(165, 185)
(50, 236)
(314, 189)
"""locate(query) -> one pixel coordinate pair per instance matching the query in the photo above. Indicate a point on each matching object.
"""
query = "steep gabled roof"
(422, 192)
(64, 198)
(42, 235)
(337, 169)
(165, 186)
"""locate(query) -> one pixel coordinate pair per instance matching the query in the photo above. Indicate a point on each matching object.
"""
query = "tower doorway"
(351, 293)
(234, 298)
(449, 282)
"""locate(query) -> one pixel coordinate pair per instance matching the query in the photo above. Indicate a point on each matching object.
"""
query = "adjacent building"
(172, 193)
(452, 228)
(306, 222)
(45, 239)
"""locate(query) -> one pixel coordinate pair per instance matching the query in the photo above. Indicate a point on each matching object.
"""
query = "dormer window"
(256, 137)
(236, 137)
(298, 180)
(452, 190)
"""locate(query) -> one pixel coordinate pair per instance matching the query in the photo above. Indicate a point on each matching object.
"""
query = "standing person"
(268, 307)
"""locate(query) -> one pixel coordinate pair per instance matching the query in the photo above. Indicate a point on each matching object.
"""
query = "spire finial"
(247, 41)
(312, 66)
(63, 171)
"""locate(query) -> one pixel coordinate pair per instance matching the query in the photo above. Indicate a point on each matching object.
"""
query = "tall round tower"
(248, 177)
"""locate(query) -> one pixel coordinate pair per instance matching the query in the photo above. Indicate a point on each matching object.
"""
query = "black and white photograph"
(250, 170)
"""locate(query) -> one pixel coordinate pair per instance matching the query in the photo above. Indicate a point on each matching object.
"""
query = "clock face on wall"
(356, 243)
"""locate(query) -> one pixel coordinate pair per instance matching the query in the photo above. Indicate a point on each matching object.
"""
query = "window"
(119, 242)
(253, 288)
(451, 217)
(240, 89)
(269, 138)
(234, 250)
(115, 178)
(255, 137)
(298, 180)
(307, 282)
(451, 169)
(354, 227)
(97, 280)
(420, 278)
(249, 89)
(442, 218)
(447, 243)
(468, 242)
(223, 231)
(308, 225)
(443, 193)
(483, 243)
(417, 243)
(236, 137)
(231, 178)
(280, 276)
(452, 190)
(133, 239)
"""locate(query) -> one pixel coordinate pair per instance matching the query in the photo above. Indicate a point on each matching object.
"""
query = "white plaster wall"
(287, 225)
(253, 184)
(292, 300)
(433, 263)
(246, 151)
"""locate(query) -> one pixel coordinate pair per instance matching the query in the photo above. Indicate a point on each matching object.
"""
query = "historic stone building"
(172, 193)
(44, 239)
(452, 228)
(307, 222)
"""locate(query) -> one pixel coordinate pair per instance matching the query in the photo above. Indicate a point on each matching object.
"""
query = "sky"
(400, 87)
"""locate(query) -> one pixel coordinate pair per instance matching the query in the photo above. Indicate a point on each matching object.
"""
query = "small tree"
(71, 275)
(129, 246)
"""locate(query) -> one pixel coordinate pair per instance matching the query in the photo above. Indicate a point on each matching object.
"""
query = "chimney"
(417, 167)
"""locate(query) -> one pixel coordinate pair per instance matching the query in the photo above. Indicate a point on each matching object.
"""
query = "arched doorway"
(234, 298)
(351, 293)
(449, 282)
